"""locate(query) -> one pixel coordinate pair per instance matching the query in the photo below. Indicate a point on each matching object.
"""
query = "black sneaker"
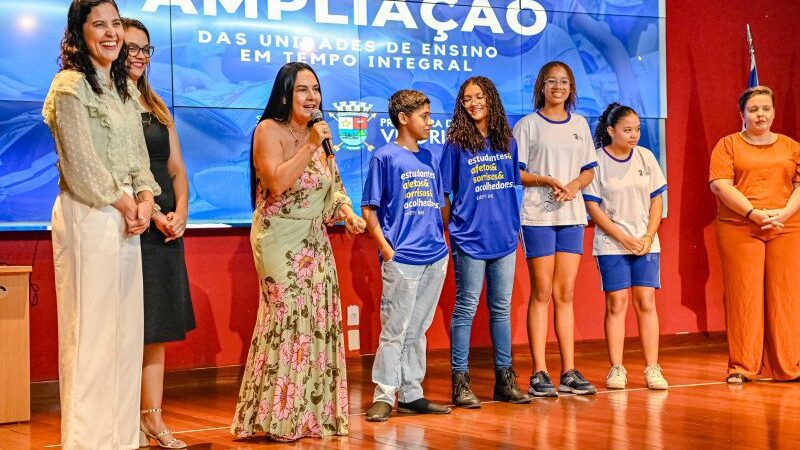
(572, 382)
(422, 406)
(542, 385)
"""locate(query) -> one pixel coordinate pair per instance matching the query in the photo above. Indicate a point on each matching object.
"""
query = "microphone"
(316, 116)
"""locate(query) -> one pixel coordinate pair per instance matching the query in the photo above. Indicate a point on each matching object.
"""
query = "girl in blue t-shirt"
(480, 169)
(624, 201)
(556, 156)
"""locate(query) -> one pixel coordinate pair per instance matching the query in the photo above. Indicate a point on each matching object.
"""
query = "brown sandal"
(736, 378)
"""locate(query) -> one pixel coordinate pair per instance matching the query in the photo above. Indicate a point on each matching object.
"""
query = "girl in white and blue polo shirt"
(625, 203)
(556, 157)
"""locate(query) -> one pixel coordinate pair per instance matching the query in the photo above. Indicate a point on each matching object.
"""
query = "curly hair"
(75, 53)
(464, 133)
(405, 101)
(610, 117)
(538, 87)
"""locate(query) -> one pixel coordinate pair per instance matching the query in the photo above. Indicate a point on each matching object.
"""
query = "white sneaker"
(617, 377)
(654, 377)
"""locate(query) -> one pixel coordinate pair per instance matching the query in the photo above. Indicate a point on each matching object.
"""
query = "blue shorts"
(541, 241)
(623, 271)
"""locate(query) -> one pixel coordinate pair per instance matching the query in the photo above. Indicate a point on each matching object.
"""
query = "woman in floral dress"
(295, 383)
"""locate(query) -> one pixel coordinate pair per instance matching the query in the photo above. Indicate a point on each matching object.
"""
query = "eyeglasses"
(478, 99)
(134, 50)
(550, 82)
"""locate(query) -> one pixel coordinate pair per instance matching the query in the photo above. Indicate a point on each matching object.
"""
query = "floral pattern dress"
(295, 383)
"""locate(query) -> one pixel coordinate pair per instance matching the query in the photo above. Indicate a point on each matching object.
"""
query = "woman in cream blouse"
(105, 202)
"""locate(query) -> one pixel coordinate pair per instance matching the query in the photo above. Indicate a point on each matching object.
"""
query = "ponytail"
(613, 113)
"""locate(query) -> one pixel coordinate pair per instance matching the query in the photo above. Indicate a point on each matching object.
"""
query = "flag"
(753, 79)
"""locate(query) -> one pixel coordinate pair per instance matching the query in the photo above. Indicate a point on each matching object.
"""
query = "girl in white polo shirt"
(624, 201)
(556, 155)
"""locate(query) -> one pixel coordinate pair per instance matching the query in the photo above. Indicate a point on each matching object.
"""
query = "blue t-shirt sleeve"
(439, 191)
(447, 168)
(374, 183)
(517, 165)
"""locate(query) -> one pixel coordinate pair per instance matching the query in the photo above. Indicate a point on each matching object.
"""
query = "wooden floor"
(698, 411)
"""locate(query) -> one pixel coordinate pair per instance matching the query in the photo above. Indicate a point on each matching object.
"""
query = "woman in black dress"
(168, 311)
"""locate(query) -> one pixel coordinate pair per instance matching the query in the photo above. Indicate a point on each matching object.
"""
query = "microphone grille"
(316, 115)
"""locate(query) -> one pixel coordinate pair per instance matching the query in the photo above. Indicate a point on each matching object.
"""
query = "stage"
(699, 410)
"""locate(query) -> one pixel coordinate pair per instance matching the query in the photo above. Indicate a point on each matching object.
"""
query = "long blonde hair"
(150, 99)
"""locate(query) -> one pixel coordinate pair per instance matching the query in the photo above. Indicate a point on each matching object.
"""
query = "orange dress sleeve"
(721, 165)
(796, 154)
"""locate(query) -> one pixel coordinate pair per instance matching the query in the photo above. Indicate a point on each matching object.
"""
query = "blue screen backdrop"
(215, 62)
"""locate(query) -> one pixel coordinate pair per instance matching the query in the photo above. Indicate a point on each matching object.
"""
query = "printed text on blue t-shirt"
(418, 190)
(483, 169)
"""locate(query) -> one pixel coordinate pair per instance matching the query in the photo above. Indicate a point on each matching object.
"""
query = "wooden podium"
(15, 368)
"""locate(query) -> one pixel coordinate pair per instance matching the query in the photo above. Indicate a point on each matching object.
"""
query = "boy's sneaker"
(617, 377)
(654, 377)
(542, 385)
(572, 382)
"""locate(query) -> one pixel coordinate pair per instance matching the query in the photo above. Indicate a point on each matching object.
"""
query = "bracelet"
(747, 216)
(649, 235)
(154, 208)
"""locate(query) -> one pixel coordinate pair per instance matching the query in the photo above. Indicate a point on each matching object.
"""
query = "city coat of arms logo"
(352, 118)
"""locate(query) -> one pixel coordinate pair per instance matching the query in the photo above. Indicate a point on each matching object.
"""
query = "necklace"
(294, 136)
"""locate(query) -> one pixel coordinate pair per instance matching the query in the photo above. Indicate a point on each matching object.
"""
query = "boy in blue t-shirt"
(401, 204)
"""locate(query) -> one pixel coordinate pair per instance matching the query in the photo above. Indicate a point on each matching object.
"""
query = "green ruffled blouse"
(99, 139)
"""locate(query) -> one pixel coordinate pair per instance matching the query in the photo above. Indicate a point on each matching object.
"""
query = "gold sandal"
(145, 435)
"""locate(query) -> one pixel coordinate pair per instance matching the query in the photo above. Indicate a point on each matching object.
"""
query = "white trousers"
(100, 326)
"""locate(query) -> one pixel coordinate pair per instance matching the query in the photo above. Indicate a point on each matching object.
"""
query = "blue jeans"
(409, 299)
(470, 272)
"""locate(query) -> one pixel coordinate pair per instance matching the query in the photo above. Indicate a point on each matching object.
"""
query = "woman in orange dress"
(755, 174)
